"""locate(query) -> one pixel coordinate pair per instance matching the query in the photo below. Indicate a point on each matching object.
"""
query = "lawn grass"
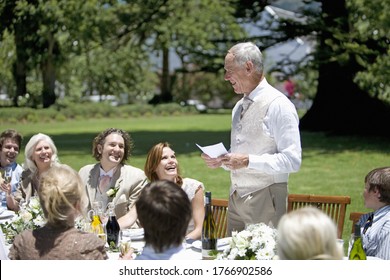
(331, 165)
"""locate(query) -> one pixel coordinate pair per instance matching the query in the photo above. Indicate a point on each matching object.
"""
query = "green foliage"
(84, 110)
(168, 109)
(203, 86)
(370, 42)
(7, 57)
(104, 47)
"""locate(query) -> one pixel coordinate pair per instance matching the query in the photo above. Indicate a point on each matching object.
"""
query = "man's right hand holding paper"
(212, 162)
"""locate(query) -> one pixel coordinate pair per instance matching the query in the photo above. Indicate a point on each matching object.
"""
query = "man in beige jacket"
(110, 179)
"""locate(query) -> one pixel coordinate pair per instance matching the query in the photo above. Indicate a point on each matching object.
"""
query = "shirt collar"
(257, 91)
(378, 214)
(109, 173)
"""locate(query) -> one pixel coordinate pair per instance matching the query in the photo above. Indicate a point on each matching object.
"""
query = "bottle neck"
(111, 213)
(207, 199)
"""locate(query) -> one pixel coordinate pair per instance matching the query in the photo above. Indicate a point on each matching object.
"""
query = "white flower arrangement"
(82, 223)
(256, 242)
(29, 216)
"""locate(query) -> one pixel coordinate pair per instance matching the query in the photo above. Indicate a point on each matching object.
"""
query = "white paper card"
(214, 151)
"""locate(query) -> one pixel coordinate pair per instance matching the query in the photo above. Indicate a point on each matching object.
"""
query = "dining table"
(135, 237)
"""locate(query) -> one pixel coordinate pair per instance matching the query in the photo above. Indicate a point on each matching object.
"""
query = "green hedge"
(90, 110)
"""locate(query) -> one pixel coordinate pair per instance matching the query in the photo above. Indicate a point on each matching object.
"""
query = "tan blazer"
(130, 181)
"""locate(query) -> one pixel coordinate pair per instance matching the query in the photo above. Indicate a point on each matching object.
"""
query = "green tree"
(195, 30)
(371, 39)
(351, 57)
(343, 55)
(20, 23)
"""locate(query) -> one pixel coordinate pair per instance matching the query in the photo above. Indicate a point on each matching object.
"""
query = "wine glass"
(6, 174)
(101, 233)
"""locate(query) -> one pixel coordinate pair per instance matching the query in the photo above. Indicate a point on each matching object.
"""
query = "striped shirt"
(376, 233)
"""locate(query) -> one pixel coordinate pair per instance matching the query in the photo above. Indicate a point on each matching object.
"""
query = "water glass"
(340, 243)
(6, 174)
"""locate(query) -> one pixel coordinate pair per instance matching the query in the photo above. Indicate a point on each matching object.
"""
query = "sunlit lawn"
(331, 165)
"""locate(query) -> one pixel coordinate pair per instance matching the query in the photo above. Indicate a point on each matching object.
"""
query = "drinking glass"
(102, 234)
(340, 243)
(6, 174)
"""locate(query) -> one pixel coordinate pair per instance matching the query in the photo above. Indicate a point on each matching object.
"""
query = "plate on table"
(133, 233)
(373, 258)
(7, 214)
(222, 244)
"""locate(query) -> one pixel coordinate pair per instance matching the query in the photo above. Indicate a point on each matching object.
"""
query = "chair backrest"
(333, 205)
(220, 208)
(354, 217)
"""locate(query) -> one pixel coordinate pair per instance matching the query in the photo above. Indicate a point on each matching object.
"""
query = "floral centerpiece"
(255, 242)
(30, 216)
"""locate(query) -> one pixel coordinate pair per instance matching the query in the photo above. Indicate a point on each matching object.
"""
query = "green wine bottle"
(209, 233)
(357, 251)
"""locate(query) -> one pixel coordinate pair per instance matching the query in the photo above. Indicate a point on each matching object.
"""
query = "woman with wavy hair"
(162, 164)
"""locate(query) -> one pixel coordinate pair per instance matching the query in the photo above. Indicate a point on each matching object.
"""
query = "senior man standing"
(265, 142)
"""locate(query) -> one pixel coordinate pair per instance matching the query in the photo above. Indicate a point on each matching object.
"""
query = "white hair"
(30, 147)
(248, 51)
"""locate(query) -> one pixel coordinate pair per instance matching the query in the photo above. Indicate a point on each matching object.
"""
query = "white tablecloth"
(191, 252)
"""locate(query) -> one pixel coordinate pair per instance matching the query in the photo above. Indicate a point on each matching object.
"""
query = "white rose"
(26, 216)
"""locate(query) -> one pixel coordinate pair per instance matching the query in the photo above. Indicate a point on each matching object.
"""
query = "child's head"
(164, 211)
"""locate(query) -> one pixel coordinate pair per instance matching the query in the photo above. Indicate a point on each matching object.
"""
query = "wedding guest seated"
(375, 226)
(308, 234)
(62, 197)
(40, 155)
(10, 144)
(161, 164)
(111, 179)
(164, 212)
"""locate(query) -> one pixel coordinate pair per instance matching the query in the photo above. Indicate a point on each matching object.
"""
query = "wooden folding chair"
(354, 217)
(334, 206)
(220, 208)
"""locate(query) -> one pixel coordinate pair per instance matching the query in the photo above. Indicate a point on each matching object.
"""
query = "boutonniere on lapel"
(112, 191)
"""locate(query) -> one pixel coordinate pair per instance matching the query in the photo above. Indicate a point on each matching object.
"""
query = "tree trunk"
(166, 94)
(48, 76)
(340, 106)
(20, 67)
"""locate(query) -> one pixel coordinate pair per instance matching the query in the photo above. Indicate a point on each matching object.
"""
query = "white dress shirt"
(281, 123)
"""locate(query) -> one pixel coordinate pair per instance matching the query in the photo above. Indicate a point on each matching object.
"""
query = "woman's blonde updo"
(308, 234)
(62, 195)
